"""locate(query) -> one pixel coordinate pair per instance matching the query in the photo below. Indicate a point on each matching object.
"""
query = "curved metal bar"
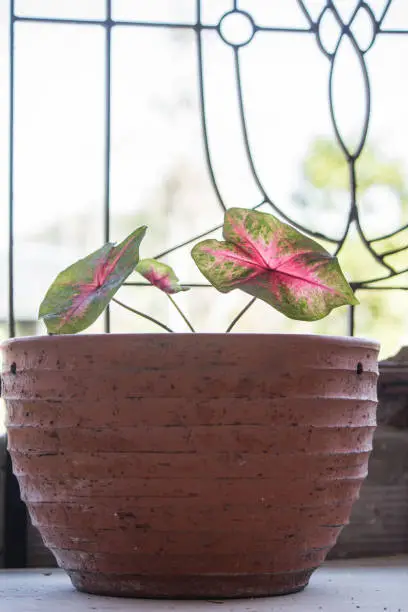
(384, 14)
(248, 16)
(251, 162)
(366, 7)
(394, 251)
(357, 8)
(342, 146)
(367, 90)
(244, 127)
(339, 139)
(306, 13)
(187, 242)
(368, 246)
(378, 279)
(353, 206)
(390, 235)
(181, 313)
(346, 31)
(352, 157)
(318, 37)
(203, 108)
(378, 258)
(364, 288)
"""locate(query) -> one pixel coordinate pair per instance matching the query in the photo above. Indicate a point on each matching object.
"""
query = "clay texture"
(190, 465)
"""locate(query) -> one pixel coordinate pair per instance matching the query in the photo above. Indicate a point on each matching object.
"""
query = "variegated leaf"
(274, 262)
(160, 275)
(81, 293)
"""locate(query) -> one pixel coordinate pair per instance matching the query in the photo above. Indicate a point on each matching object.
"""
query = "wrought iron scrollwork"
(345, 30)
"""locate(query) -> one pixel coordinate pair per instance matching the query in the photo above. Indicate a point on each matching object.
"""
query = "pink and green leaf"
(160, 275)
(274, 262)
(81, 293)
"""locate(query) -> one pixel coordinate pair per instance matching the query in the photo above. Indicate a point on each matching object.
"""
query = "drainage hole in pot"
(13, 368)
(359, 368)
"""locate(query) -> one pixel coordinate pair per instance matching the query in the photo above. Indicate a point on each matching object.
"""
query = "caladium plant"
(260, 254)
(81, 293)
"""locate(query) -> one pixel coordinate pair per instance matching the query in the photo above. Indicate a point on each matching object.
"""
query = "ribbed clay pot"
(190, 465)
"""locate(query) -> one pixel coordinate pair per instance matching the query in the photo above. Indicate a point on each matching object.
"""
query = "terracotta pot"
(190, 465)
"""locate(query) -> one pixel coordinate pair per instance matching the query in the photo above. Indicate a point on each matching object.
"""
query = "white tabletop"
(368, 585)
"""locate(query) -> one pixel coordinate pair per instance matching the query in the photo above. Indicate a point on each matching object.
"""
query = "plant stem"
(177, 307)
(142, 314)
(240, 314)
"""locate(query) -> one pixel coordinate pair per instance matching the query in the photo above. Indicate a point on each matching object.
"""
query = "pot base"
(191, 586)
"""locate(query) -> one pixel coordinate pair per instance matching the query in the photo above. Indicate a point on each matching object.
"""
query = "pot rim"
(104, 337)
